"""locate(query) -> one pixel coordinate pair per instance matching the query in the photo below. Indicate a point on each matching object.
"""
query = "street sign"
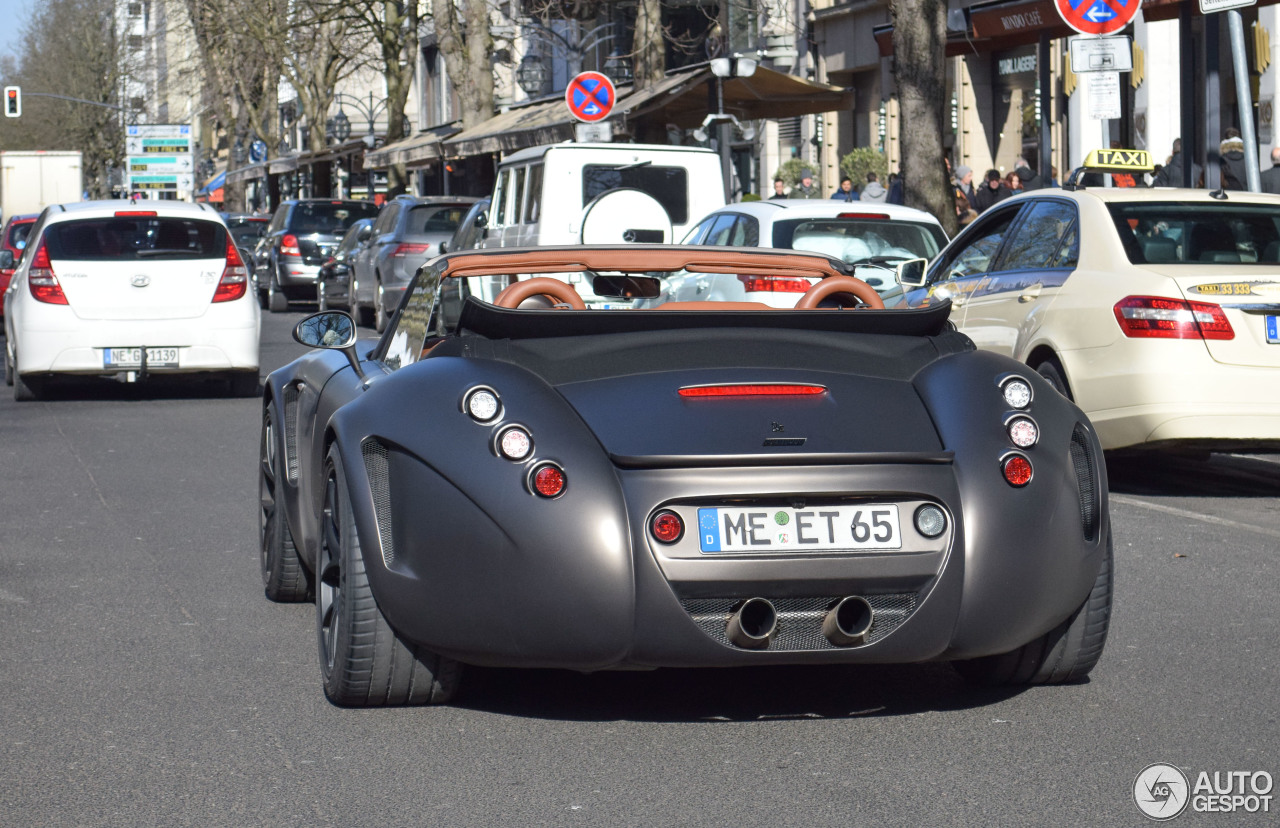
(1212, 6)
(590, 97)
(1104, 95)
(159, 157)
(258, 151)
(1097, 17)
(1101, 54)
(600, 133)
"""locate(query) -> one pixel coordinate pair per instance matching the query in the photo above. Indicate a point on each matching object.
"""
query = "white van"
(602, 194)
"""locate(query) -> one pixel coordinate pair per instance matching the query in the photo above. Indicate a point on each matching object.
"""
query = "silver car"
(408, 231)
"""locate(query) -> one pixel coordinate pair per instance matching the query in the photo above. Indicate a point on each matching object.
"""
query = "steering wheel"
(839, 285)
(561, 293)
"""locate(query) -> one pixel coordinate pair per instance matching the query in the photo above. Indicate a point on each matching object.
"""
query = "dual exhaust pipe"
(755, 622)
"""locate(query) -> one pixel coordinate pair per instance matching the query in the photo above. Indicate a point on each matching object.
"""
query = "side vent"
(379, 472)
(291, 431)
(1086, 482)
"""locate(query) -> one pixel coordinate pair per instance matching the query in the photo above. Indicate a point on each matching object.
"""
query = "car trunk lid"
(1250, 302)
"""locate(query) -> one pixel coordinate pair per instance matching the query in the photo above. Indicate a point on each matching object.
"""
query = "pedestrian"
(1029, 180)
(1171, 175)
(964, 210)
(896, 193)
(964, 182)
(1013, 181)
(992, 191)
(874, 191)
(806, 188)
(846, 191)
(1271, 177)
(1231, 161)
(779, 189)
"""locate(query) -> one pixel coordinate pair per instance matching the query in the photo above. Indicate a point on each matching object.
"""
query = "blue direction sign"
(1097, 17)
(590, 97)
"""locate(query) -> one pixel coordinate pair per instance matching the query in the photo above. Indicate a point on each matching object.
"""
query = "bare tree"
(649, 45)
(920, 75)
(67, 51)
(462, 31)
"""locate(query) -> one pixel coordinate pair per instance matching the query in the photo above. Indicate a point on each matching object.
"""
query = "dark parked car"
(514, 478)
(303, 233)
(407, 232)
(333, 282)
(246, 229)
(471, 231)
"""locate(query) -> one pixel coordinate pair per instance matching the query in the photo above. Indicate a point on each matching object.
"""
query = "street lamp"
(532, 75)
(341, 130)
(370, 111)
(726, 67)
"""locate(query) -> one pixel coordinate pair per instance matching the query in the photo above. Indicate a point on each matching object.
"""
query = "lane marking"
(1186, 513)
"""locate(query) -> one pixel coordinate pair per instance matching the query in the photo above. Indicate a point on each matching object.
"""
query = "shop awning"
(247, 173)
(682, 98)
(213, 185)
(416, 150)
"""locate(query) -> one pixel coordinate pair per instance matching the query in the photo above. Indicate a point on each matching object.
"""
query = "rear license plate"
(1273, 329)
(132, 357)
(783, 529)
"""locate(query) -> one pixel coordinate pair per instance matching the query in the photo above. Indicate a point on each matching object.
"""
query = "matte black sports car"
(514, 477)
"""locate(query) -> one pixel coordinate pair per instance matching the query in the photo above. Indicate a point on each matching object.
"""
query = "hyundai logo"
(140, 280)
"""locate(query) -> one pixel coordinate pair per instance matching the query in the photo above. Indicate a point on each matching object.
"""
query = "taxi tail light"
(235, 277)
(41, 280)
(774, 284)
(410, 249)
(752, 390)
(1157, 317)
(289, 245)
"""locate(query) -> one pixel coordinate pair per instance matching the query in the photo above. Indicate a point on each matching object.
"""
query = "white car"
(114, 289)
(873, 237)
(1156, 310)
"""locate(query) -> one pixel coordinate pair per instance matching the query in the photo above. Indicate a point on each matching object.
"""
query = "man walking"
(874, 191)
(806, 188)
(846, 191)
(1271, 177)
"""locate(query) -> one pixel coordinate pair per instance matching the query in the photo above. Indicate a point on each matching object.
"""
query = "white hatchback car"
(110, 288)
(873, 237)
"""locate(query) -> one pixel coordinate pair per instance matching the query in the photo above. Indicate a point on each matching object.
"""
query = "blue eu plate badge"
(1273, 329)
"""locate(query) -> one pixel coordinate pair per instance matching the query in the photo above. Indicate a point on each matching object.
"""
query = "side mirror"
(365, 233)
(341, 269)
(6, 259)
(444, 248)
(911, 273)
(332, 330)
(482, 219)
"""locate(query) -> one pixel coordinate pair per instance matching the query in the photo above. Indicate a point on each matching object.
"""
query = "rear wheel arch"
(1048, 365)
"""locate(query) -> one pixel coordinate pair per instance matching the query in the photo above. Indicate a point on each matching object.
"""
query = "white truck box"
(32, 180)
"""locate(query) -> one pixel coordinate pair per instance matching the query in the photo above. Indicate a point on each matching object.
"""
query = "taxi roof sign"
(1118, 160)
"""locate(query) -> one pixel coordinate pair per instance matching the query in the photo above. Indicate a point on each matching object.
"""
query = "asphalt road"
(145, 680)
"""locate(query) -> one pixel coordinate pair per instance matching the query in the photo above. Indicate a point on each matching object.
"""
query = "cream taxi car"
(1156, 310)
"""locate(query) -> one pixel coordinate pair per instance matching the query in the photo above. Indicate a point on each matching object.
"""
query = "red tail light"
(1017, 470)
(666, 526)
(289, 245)
(134, 213)
(753, 390)
(407, 249)
(42, 282)
(235, 277)
(548, 480)
(1162, 318)
(774, 284)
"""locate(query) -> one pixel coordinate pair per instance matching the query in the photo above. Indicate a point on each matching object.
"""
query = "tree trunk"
(648, 47)
(467, 45)
(920, 75)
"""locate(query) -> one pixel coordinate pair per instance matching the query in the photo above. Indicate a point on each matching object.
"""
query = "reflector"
(548, 481)
(667, 527)
(1017, 470)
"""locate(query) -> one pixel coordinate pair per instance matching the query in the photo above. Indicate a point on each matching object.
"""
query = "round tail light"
(483, 405)
(1023, 432)
(666, 526)
(1017, 470)
(930, 520)
(1017, 393)
(515, 443)
(548, 480)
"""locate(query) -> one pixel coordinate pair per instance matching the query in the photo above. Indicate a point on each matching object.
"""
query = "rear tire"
(1052, 371)
(363, 662)
(277, 302)
(380, 315)
(1067, 653)
(283, 577)
(24, 390)
(8, 368)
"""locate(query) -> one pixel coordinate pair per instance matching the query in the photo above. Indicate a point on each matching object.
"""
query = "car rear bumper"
(1184, 397)
(229, 344)
(293, 274)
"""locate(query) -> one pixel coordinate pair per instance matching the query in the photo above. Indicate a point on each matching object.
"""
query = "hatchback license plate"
(1273, 330)
(132, 357)
(782, 529)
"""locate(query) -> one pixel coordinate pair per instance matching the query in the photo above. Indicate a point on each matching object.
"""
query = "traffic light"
(12, 101)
